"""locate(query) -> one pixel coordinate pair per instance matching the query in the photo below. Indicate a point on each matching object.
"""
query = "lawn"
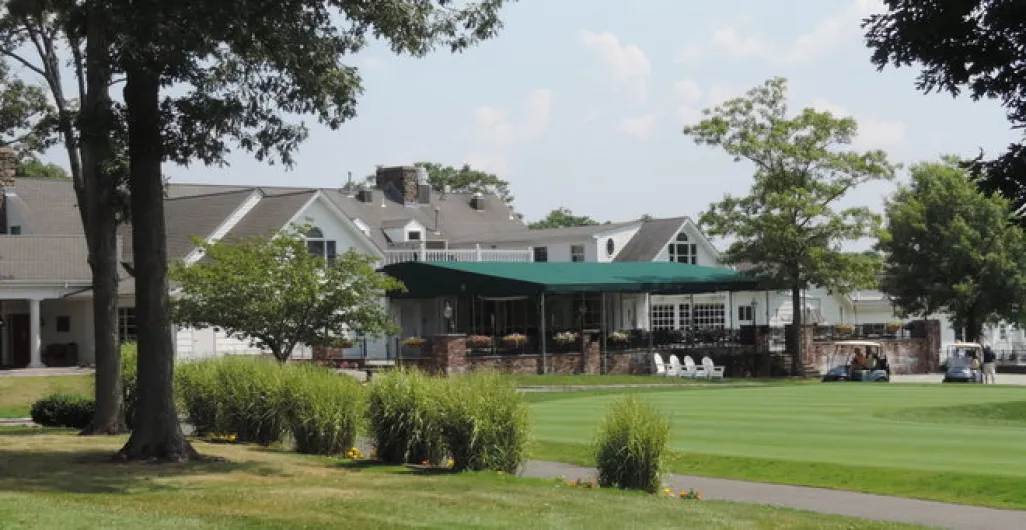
(962, 444)
(17, 393)
(57, 480)
(595, 380)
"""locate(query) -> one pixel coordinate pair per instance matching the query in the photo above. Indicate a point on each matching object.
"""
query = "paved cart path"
(862, 505)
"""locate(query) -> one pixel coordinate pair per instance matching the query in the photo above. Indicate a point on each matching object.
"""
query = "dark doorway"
(20, 342)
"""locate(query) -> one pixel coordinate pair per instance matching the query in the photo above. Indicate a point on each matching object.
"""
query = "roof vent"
(365, 195)
(477, 202)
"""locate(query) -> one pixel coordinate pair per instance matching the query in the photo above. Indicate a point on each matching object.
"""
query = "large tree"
(26, 116)
(789, 225)
(242, 69)
(465, 179)
(277, 294)
(40, 169)
(974, 46)
(952, 248)
(34, 34)
(562, 217)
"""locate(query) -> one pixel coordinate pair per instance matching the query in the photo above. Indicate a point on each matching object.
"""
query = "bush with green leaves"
(63, 410)
(403, 408)
(485, 422)
(196, 388)
(631, 444)
(129, 380)
(324, 410)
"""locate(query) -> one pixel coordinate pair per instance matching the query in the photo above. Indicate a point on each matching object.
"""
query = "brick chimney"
(8, 166)
(404, 179)
(8, 170)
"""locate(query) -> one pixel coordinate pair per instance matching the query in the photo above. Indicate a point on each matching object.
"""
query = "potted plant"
(414, 343)
(479, 342)
(893, 327)
(342, 343)
(619, 338)
(514, 340)
(845, 329)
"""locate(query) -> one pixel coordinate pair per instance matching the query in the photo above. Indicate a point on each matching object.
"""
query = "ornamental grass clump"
(403, 415)
(631, 444)
(196, 387)
(485, 422)
(324, 410)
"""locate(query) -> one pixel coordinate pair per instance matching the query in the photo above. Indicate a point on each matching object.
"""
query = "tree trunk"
(798, 334)
(157, 433)
(100, 224)
(973, 328)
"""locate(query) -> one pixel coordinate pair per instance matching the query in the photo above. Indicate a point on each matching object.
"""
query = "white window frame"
(577, 253)
(662, 316)
(328, 247)
(681, 250)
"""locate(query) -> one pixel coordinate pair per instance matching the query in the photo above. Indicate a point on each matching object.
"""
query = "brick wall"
(917, 355)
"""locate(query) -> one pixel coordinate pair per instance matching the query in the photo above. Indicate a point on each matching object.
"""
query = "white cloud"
(496, 131)
(874, 133)
(820, 41)
(638, 126)
(692, 98)
(628, 64)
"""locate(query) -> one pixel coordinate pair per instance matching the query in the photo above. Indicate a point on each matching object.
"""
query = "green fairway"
(954, 443)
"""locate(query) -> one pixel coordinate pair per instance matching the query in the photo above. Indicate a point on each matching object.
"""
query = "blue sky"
(580, 103)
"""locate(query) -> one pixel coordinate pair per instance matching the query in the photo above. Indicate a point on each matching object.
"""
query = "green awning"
(429, 279)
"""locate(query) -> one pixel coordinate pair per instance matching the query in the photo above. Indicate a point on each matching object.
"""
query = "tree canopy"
(27, 119)
(465, 179)
(38, 168)
(974, 46)
(562, 217)
(952, 248)
(278, 294)
(788, 226)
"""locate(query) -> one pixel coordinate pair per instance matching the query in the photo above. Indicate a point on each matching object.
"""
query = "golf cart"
(959, 358)
(866, 363)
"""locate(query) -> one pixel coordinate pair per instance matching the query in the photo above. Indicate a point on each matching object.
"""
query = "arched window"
(319, 246)
(682, 251)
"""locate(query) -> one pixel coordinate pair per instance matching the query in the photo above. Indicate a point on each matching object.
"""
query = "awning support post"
(541, 339)
(648, 318)
(604, 332)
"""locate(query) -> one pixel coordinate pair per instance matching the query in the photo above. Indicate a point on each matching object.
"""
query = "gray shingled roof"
(270, 214)
(198, 216)
(547, 234)
(44, 259)
(49, 205)
(650, 239)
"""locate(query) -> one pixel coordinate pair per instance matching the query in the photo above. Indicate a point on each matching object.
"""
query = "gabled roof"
(650, 239)
(44, 260)
(271, 214)
(49, 205)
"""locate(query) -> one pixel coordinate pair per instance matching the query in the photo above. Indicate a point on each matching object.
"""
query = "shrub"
(236, 395)
(129, 380)
(630, 445)
(403, 416)
(63, 410)
(198, 395)
(485, 423)
(324, 410)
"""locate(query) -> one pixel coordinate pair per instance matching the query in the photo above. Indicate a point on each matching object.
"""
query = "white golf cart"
(963, 361)
(874, 368)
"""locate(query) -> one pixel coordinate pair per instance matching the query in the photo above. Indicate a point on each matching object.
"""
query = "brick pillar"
(319, 353)
(592, 353)
(449, 354)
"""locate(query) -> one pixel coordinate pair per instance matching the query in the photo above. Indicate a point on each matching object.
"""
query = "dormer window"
(682, 251)
(319, 245)
(413, 235)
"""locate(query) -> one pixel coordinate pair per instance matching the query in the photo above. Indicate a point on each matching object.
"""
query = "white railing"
(457, 254)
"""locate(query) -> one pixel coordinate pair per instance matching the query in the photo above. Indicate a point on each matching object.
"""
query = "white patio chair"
(660, 366)
(692, 370)
(713, 371)
(675, 369)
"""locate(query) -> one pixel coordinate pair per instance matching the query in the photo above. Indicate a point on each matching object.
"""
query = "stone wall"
(916, 355)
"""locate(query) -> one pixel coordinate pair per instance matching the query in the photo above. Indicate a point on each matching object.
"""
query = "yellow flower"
(451, 462)
(502, 473)
(667, 491)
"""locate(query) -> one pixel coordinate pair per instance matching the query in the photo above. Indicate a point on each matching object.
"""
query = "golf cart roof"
(864, 343)
(967, 345)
